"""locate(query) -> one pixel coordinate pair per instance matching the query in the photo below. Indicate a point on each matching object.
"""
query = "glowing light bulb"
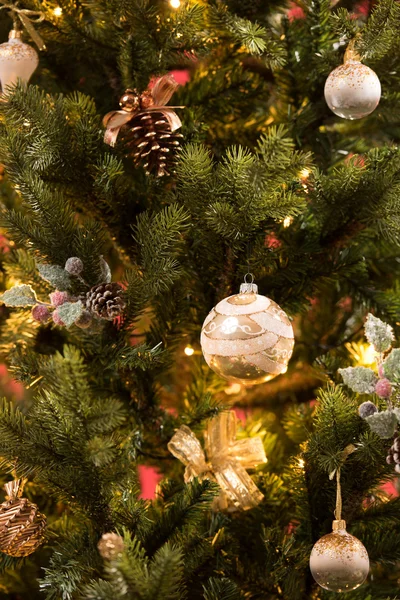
(301, 463)
(364, 354)
(287, 221)
(233, 389)
(57, 12)
(369, 355)
(189, 351)
(230, 325)
(304, 173)
(175, 3)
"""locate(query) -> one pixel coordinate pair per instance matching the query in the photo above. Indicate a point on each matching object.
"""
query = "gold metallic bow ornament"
(225, 461)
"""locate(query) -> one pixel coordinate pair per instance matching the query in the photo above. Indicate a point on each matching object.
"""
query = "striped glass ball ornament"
(247, 338)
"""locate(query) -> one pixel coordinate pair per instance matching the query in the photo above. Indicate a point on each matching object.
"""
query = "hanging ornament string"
(28, 18)
(339, 505)
(338, 509)
(351, 53)
(339, 561)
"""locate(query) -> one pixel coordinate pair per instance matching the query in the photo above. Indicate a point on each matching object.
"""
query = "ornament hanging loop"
(248, 287)
(351, 54)
(27, 17)
(339, 523)
(339, 504)
(14, 488)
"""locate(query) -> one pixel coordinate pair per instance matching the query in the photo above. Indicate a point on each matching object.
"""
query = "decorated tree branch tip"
(383, 383)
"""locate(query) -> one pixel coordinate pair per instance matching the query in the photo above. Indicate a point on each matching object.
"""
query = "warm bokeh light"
(175, 3)
(301, 463)
(363, 354)
(304, 173)
(287, 221)
(233, 389)
(57, 12)
(189, 351)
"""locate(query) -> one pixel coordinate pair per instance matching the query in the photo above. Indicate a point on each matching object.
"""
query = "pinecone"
(151, 142)
(21, 524)
(393, 458)
(105, 300)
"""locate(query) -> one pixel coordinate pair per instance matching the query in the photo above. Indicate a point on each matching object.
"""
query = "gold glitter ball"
(339, 561)
(130, 101)
(247, 338)
(110, 546)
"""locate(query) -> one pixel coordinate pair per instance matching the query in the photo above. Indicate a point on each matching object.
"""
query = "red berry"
(40, 313)
(383, 388)
(57, 319)
(57, 298)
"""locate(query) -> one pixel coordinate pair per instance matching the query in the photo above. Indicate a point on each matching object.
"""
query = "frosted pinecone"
(105, 301)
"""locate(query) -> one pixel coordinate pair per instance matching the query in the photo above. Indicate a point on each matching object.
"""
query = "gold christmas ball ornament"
(110, 546)
(22, 526)
(247, 338)
(130, 101)
(353, 90)
(339, 561)
(17, 60)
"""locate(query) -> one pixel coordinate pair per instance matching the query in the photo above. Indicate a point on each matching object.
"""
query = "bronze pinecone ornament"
(105, 301)
(22, 526)
(148, 127)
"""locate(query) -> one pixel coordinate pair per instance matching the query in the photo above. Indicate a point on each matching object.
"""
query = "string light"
(189, 351)
(57, 12)
(175, 3)
(305, 173)
(301, 463)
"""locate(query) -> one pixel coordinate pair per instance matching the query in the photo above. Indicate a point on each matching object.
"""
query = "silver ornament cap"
(17, 60)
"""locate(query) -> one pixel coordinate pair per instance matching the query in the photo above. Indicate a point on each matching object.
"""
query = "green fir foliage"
(268, 181)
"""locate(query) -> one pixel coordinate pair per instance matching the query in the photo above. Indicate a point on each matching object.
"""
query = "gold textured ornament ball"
(353, 90)
(22, 526)
(17, 60)
(130, 101)
(247, 338)
(339, 561)
(110, 546)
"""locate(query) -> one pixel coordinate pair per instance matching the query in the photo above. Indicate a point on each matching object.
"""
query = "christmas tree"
(131, 206)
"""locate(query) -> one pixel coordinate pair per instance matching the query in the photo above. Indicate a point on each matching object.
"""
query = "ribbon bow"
(27, 17)
(225, 460)
(160, 95)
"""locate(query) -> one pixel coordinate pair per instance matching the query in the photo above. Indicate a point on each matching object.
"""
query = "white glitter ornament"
(247, 338)
(353, 90)
(17, 60)
(339, 561)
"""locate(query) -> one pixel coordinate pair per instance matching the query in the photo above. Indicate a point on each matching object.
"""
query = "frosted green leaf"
(56, 275)
(383, 423)
(105, 271)
(69, 312)
(391, 366)
(359, 379)
(397, 413)
(19, 295)
(378, 333)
